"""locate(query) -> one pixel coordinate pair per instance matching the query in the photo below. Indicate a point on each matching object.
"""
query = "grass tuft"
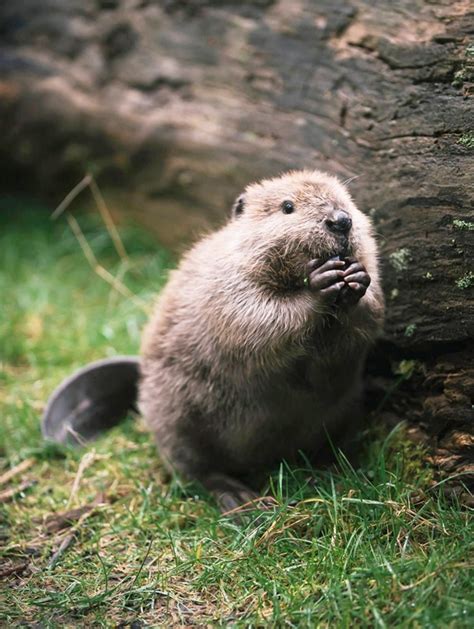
(372, 546)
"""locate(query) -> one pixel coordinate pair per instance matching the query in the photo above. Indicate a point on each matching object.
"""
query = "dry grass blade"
(261, 502)
(89, 182)
(291, 523)
(443, 567)
(107, 218)
(18, 469)
(86, 460)
(99, 269)
(69, 198)
(67, 541)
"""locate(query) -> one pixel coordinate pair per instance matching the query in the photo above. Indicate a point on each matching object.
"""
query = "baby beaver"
(257, 346)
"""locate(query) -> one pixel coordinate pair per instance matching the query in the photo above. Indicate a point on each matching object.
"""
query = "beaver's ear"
(238, 207)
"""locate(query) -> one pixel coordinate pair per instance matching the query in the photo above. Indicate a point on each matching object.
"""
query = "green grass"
(371, 547)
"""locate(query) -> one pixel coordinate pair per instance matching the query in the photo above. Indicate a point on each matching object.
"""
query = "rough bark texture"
(176, 105)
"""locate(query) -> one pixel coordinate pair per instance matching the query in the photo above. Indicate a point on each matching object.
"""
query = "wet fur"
(242, 364)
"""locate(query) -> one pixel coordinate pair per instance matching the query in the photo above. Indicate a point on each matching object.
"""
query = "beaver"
(257, 346)
(256, 349)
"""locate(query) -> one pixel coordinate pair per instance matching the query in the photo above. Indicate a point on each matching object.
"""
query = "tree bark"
(176, 105)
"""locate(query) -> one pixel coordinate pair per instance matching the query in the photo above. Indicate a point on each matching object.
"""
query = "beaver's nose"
(339, 222)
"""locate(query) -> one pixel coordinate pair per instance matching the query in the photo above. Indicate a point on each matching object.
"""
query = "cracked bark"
(177, 105)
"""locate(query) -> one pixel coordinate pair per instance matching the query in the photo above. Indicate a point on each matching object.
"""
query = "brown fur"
(244, 365)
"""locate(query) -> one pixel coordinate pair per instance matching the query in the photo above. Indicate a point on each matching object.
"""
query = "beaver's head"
(297, 217)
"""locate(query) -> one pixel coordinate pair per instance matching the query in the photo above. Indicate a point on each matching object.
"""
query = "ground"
(101, 537)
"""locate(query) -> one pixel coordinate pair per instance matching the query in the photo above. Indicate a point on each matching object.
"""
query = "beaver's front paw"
(356, 283)
(327, 279)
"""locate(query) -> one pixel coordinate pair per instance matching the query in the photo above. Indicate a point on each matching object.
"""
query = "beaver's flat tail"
(92, 400)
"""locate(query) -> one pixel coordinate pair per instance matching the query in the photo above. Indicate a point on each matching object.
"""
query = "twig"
(16, 568)
(9, 494)
(67, 541)
(18, 469)
(59, 521)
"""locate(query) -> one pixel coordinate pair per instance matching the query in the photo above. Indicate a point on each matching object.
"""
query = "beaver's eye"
(287, 207)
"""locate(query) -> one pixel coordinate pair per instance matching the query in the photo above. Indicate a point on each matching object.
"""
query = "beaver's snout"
(339, 222)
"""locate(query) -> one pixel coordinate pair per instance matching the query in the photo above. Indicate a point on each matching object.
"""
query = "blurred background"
(175, 105)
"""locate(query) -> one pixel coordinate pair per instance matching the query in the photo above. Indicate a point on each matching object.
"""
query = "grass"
(371, 547)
